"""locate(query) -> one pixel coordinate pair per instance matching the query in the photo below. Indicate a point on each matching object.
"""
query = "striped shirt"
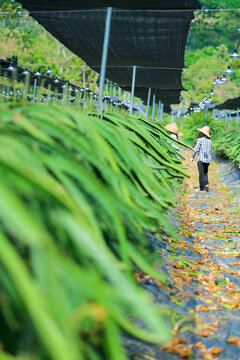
(203, 148)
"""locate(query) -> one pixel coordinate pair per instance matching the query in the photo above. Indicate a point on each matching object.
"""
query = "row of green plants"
(77, 194)
(228, 144)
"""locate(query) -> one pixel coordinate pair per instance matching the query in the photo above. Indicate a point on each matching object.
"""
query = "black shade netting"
(154, 41)
(36, 5)
(230, 104)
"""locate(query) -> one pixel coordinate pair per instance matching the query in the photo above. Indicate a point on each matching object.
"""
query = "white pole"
(148, 103)
(104, 56)
(159, 109)
(34, 89)
(133, 89)
(153, 107)
(84, 76)
(161, 116)
(229, 120)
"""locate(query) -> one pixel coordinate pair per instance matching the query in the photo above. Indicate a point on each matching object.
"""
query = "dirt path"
(203, 268)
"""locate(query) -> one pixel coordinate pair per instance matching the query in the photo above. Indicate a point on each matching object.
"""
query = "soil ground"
(203, 271)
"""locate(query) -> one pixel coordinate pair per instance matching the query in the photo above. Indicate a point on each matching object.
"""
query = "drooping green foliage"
(228, 144)
(77, 194)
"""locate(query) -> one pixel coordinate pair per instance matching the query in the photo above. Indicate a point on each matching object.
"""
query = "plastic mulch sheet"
(202, 271)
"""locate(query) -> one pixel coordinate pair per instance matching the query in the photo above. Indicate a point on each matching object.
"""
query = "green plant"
(227, 143)
(76, 193)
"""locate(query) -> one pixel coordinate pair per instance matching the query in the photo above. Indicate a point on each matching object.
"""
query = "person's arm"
(196, 148)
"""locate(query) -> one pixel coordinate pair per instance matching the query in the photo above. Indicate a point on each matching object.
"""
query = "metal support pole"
(119, 93)
(159, 110)
(148, 103)
(229, 120)
(107, 87)
(104, 56)
(34, 89)
(124, 97)
(161, 116)
(153, 107)
(225, 120)
(133, 89)
(206, 115)
(84, 76)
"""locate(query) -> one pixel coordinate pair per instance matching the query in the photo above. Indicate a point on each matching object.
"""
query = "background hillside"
(212, 38)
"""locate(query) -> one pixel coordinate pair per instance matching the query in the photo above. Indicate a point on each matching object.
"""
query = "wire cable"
(128, 66)
(19, 12)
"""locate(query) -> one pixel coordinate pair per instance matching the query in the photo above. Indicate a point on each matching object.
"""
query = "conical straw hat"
(172, 128)
(205, 131)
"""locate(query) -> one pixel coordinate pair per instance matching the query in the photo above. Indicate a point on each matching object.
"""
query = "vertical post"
(159, 110)
(124, 97)
(119, 92)
(133, 89)
(153, 107)
(104, 56)
(237, 116)
(84, 77)
(161, 116)
(148, 103)
(34, 89)
(229, 120)
(206, 115)
(225, 120)
(105, 88)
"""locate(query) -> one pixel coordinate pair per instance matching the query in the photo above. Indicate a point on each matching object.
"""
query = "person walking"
(203, 148)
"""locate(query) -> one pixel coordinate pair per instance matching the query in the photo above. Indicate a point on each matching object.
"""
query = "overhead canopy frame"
(149, 35)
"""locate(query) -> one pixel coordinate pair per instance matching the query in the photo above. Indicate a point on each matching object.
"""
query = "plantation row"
(228, 144)
(76, 194)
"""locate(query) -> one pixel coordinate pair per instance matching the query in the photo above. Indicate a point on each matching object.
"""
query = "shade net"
(36, 5)
(230, 104)
(154, 41)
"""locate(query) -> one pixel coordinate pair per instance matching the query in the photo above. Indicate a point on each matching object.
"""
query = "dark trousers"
(203, 174)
